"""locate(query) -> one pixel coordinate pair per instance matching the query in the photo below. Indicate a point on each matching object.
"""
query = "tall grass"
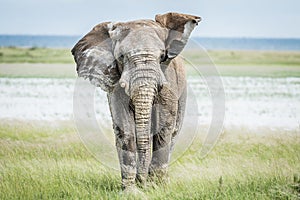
(48, 161)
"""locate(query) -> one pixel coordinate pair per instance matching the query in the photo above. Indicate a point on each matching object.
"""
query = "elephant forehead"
(144, 36)
(144, 52)
(142, 40)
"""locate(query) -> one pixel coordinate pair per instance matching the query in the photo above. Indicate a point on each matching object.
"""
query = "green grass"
(256, 58)
(246, 63)
(59, 63)
(42, 70)
(69, 71)
(246, 57)
(35, 55)
(48, 161)
(249, 71)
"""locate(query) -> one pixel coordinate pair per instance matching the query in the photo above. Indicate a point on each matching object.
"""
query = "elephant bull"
(136, 63)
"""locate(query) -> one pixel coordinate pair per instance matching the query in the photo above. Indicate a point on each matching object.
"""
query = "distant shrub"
(33, 48)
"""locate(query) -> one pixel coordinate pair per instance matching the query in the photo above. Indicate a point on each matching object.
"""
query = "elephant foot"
(141, 179)
(159, 176)
(128, 181)
(133, 192)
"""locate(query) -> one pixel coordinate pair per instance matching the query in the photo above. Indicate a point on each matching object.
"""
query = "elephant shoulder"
(178, 65)
(176, 76)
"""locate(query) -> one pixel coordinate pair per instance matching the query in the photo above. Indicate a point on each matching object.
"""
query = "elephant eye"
(120, 68)
(163, 57)
(121, 58)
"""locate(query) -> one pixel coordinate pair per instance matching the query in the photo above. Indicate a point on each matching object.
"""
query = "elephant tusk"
(123, 85)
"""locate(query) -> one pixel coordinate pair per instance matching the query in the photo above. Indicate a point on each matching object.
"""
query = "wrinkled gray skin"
(136, 64)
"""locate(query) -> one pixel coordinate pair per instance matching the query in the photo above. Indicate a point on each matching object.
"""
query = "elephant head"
(130, 55)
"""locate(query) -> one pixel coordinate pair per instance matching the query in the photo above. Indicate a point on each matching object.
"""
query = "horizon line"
(196, 36)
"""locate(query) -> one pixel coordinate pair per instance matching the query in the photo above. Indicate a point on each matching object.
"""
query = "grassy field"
(42, 70)
(42, 161)
(246, 58)
(35, 55)
(48, 55)
(58, 63)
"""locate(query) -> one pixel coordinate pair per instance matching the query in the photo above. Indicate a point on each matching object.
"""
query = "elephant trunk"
(142, 99)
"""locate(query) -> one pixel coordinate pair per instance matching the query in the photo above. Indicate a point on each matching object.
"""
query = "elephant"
(137, 64)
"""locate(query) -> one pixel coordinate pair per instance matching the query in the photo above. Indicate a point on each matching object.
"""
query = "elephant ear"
(94, 58)
(180, 27)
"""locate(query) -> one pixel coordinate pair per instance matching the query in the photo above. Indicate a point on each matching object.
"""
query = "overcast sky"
(230, 18)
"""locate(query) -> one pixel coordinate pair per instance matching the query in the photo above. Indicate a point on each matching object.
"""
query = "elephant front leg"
(165, 119)
(126, 147)
(124, 129)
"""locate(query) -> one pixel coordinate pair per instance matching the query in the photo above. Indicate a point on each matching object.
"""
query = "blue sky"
(230, 18)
